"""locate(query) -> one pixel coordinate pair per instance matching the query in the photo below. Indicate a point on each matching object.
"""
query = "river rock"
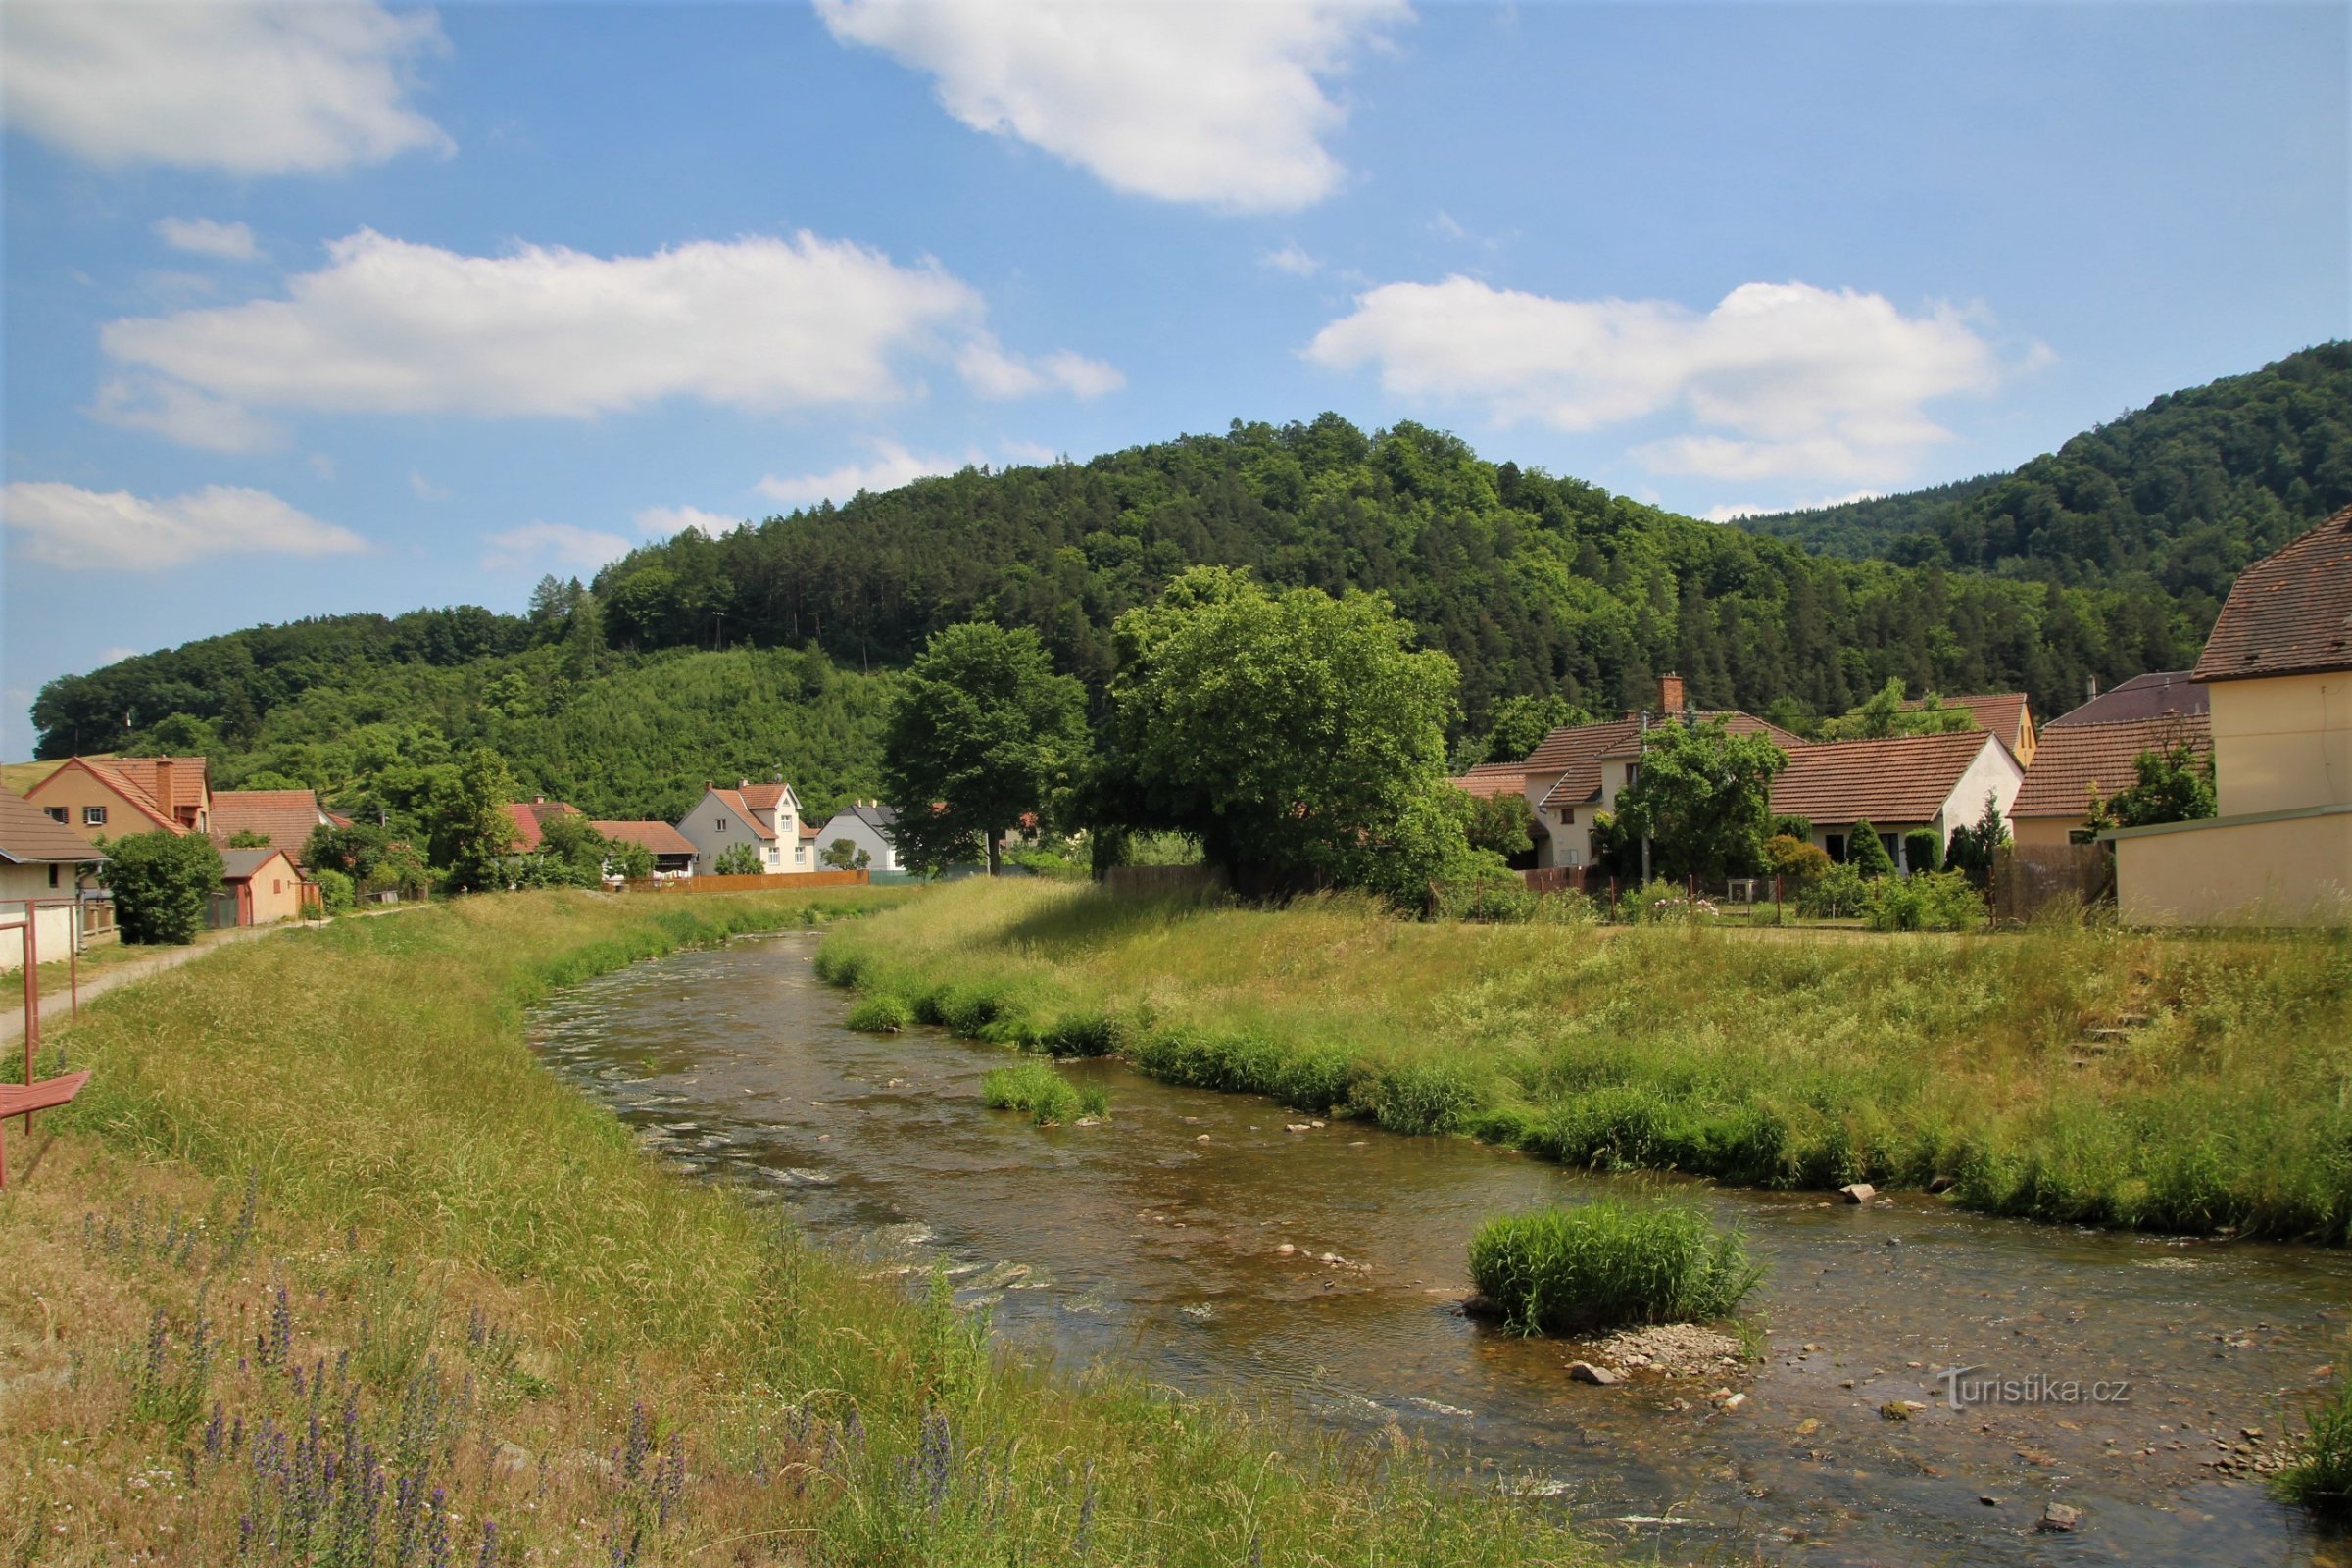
(1586, 1372)
(1899, 1409)
(2058, 1516)
(1858, 1193)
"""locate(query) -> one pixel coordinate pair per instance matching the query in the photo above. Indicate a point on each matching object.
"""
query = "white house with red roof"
(766, 817)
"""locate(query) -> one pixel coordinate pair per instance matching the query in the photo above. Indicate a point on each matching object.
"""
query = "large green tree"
(1702, 796)
(1299, 737)
(981, 734)
(161, 884)
(472, 833)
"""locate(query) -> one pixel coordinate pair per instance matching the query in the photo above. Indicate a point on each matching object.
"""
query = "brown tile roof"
(2162, 691)
(103, 771)
(808, 830)
(30, 836)
(658, 837)
(1491, 779)
(2074, 756)
(2001, 714)
(1902, 779)
(187, 778)
(1575, 752)
(743, 808)
(528, 815)
(285, 817)
(2288, 613)
(763, 796)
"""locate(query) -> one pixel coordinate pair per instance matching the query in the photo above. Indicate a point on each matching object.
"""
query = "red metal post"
(32, 997)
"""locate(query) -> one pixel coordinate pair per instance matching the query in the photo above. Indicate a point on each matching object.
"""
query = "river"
(1156, 1241)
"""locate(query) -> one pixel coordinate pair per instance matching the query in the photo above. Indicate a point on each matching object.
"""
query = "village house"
(1577, 772)
(40, 863)
(285, 817)
(2277, 673)
(2079, 761)
(766, 817)
(260, 887)
(2004, 714)
(112, 795)
(530, 817)
(672, 851)
(866, 825)
(1895, 784)
(2150, 696)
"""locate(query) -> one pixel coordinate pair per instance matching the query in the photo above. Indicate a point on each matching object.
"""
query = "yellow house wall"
(2282, 744)
(2041, 830)
(277, 894)
(73, 788)
(2292, 872)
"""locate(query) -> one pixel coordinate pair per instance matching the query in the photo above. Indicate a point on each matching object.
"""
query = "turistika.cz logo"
(1966, 1385)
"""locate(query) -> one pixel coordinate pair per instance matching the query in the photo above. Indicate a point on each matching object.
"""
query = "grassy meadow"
(326, 1268)
(2198, 1083)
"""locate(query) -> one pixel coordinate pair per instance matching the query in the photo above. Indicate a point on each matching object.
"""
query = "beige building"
(260, 887)
(2077, 760)
(2278, 671)
(766, 817)
(40, 862)
(1896, 784)
(114, 796)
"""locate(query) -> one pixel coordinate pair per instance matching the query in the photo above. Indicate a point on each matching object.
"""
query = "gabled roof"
(1491, 779)
(285, 817)
(529, 816)
(242, 866)
(1902, 779)
(2075, 757)
(742, 807)
(879, 817)
(188, 780)
(1576, 751)
(2291, 612)
(2162, 691)
(658, 837)
(103, 772)
(30, 836)
(2001, 714)
(767, 797)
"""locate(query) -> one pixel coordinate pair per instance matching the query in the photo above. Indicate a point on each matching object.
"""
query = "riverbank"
(2191, 1083)
(324, 1263)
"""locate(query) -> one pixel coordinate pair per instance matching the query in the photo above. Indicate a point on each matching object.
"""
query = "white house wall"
(1993, 769)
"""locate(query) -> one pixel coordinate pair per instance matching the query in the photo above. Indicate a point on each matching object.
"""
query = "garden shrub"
(1866, 852)
(1924, 901)
(337, 895)
(1840, 894)
(1922, 850)
(1610, 1263)
(1797, 863)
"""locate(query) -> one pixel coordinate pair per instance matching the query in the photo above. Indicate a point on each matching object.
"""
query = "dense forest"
(769, 648)
(2181, 494)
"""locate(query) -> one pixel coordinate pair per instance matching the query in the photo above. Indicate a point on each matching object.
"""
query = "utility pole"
(719, 637)
(1640, 750)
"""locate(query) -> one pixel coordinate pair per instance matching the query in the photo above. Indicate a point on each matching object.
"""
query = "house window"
(775, 857)
(93, 816)
(800, 854)
(1835, 844)
(57, 814)
(277, 884)
(722, 824)
(53, 876)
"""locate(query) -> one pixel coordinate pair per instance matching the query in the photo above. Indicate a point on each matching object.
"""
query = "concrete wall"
(2293, 870)
(2282, 744)
(2042, 830)
(53, 928)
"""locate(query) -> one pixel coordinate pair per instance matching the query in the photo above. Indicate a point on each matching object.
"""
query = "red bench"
(22, 1099)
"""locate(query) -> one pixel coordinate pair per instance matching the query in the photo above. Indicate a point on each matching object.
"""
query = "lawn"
(2068, 1072)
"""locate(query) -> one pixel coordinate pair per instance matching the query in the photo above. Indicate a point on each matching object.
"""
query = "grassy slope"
(472, 1256)
(1774, 1058)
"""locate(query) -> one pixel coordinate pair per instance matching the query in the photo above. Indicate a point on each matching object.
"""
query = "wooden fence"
(2028, 876)
(778, 882)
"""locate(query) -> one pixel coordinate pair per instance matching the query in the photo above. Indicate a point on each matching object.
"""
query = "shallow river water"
(1153, 1240)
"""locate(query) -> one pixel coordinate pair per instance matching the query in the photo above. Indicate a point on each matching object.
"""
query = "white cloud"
(88, 530)
(667, 522)
(893, 465)
(1782, 380)
(1224, 104)
(249, 88)
(1033, 453)
(561, 544)
(207, 237)
(758, 323)
(425, 489)
(1292, 259)
(183, 415)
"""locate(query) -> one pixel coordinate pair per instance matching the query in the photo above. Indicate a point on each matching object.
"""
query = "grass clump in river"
(1036, 1087)
(2321, 1478)
(560, 1350)
(1609, 1262)
(2071, 1072)
(880, 1014)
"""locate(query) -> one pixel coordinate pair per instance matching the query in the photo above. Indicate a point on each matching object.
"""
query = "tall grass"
(1610, 1263)
(2320, 1476)
(1036, 1087)
(683, 1380)
(2071, 1072)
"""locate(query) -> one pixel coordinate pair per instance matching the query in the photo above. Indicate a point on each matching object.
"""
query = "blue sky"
(338, 308)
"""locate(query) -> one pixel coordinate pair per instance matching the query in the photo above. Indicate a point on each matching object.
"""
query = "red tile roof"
(528, 815)
(658, 837)
(130, 793)
(1902, 779)
(30, 836)
(2075, 757)
(743, 808)
(187, 777)
(285, 817)
(2001, 714)
(2162, 691)
(764, 797)
(1575, 752)
(1491, 779)
(2291, 612)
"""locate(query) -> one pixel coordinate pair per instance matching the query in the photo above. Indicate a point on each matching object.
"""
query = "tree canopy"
(1702, 796)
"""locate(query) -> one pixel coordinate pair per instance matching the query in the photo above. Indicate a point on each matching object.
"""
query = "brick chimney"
(163, 786)
(1670, 694)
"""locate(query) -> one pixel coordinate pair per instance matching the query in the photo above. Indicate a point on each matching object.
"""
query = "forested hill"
(617, 696)
(2182, 493)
